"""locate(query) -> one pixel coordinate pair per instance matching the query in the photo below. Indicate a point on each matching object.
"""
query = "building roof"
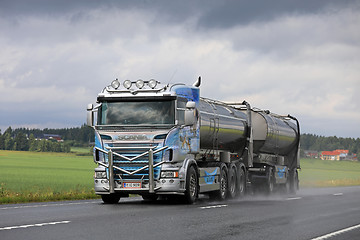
(335, 152)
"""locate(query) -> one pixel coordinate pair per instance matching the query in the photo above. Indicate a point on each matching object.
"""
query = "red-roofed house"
(335, 155)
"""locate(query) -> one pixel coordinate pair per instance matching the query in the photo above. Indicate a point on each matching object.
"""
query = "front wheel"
(192, 182)
(110, 198)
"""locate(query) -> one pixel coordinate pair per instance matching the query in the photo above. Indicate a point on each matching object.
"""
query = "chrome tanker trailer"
(153, 139)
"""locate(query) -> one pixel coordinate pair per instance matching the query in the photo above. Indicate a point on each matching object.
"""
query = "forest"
(25, 139)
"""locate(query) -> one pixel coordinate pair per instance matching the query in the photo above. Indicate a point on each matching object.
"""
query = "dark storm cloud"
(57, 54)
(231, 13)
(210, 13)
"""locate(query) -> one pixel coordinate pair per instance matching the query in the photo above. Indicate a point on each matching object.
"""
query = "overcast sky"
(288, 56)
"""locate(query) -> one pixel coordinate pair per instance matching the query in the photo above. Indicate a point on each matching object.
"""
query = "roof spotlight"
(152, 83)
(127, 84)
(140, 83)
(115, 84)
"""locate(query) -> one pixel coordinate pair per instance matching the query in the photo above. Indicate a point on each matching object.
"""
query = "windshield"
(136, 113)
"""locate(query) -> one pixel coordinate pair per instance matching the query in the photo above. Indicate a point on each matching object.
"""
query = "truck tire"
(192, 183)
(294, 181)
(221, 194)
(270, 183)
(110, 198)
(232, 181)
(241, 182)
(149, 197)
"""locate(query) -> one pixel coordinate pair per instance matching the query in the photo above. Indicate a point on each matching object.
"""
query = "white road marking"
(34, 225)
(336, 233)
(45, 205)
(338, 194)
(294, 198)
(214, 206)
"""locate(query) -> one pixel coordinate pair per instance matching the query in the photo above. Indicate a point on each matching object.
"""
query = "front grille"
(132, 151)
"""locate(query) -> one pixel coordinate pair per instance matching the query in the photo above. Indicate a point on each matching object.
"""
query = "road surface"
(326, 213)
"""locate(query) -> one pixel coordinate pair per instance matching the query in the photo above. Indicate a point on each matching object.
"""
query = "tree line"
(25, 139)
(321, 143)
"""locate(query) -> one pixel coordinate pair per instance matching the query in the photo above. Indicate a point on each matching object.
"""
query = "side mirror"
(190, 112)
(90, 115)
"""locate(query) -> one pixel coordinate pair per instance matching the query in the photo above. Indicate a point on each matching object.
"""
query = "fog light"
(169, 174)
(100, 175)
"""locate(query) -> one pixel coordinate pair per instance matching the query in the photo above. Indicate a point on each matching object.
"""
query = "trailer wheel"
(222, 192)
(241, 182)
(232, 188)
(192, 183)
(110, 198)
(294, 181)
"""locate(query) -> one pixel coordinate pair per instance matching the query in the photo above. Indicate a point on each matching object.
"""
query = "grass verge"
(39, 177)
(324, 173)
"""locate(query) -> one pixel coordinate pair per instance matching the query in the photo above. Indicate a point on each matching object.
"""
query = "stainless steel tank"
(222, 127)
(273, 134)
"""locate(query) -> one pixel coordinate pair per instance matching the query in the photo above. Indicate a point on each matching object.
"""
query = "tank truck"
(157, 139)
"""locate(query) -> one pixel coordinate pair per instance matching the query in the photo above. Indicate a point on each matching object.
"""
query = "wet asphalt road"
(310, 214)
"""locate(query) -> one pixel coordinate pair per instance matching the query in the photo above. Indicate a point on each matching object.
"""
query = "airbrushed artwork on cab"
(184, 140)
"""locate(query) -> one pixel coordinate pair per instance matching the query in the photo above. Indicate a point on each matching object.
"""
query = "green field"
(36, 176)
(323, 173)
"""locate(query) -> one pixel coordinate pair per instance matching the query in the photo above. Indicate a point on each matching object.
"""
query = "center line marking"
(338, 194)
(294, 198)
(214, 206)
(34, 225)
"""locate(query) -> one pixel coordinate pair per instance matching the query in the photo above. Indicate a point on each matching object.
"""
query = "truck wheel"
(222, 192)
(241, 182)
(232, 189)
(192, 183)
(150, 197)
(110, 198)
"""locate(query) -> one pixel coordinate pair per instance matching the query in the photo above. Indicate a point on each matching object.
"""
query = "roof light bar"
(140, 84)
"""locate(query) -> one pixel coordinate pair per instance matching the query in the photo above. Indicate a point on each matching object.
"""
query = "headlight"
(169, 174)
(127, 84)
(140, 84)
(100, 175)
(115, 84)
(152, 83)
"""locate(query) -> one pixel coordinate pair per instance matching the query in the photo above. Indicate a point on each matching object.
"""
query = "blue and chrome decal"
(210, 177)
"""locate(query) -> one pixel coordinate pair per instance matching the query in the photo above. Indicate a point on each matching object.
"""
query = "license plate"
(132, 185)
